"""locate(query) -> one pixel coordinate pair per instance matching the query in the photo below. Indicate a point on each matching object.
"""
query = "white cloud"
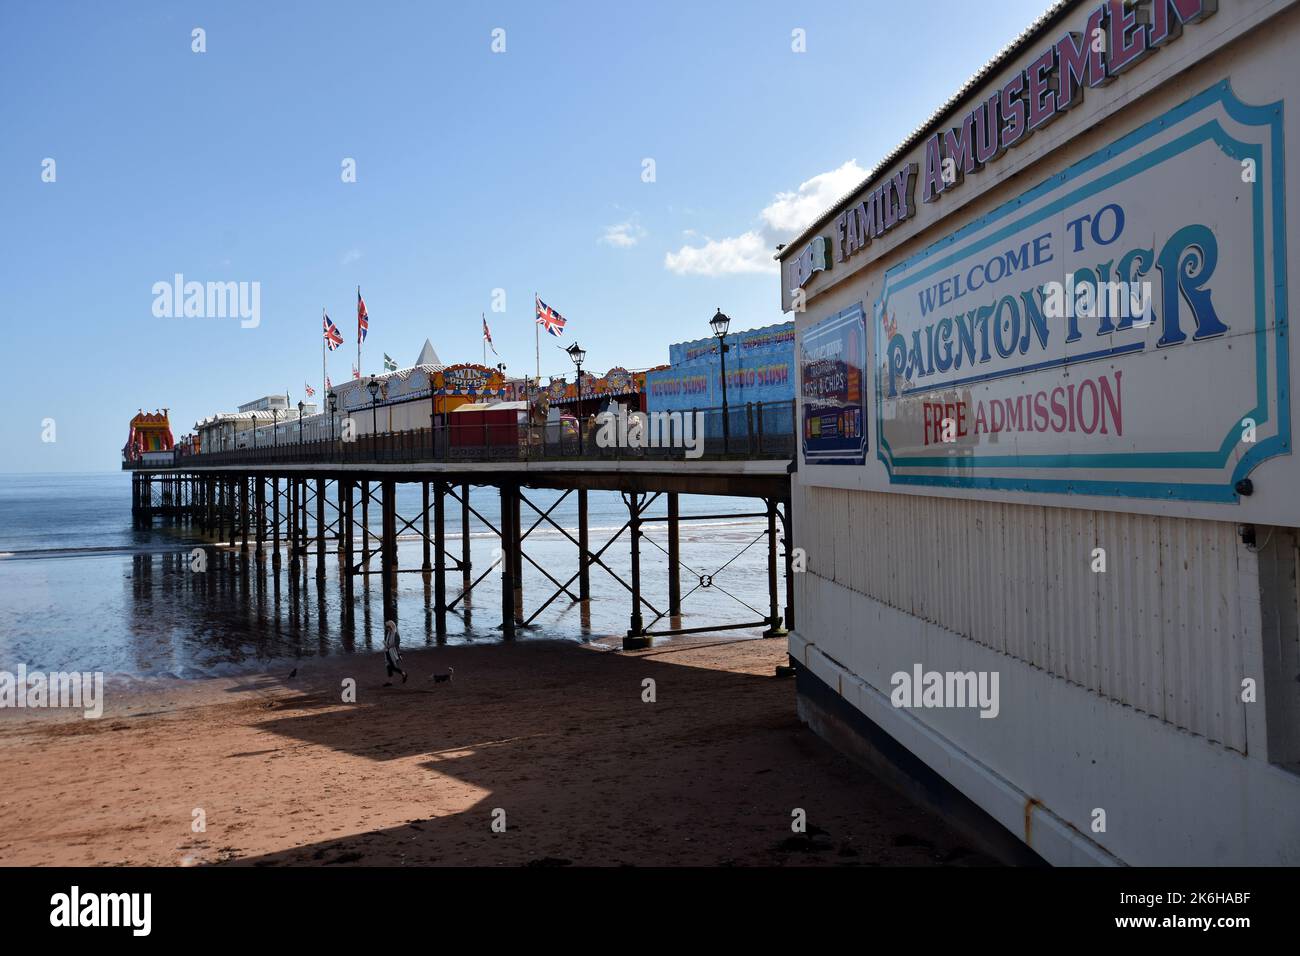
(786, 215)
(719, 257)
(790, 213)
(622, 235)
(351, 256)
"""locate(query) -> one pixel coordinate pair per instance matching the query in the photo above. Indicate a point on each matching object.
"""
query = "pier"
(311, 501)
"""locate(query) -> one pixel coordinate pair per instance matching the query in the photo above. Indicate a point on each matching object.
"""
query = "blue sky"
(475, 171)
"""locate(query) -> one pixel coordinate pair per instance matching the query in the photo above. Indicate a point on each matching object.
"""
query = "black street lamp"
(579, 354)
(301, 406)
(373, 388)
(720, 323)
(275, 428)
(334, 407)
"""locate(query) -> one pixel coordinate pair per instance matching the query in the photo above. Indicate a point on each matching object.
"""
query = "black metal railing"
(753, 431)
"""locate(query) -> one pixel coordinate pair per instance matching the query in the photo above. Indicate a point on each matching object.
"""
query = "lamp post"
(372, 387)
(334, 407)
(579, 354)
(301, 406)
(720, 323)
(275, 428)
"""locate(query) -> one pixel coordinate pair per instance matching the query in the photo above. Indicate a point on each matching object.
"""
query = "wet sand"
(555, 734)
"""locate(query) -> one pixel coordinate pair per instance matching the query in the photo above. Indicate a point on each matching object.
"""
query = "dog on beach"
(443, 678)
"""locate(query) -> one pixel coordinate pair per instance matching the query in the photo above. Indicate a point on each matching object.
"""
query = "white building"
(1097, 506)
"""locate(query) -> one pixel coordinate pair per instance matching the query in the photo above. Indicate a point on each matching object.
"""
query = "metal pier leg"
(232, 506)
(440, 555)
(365, 528)
(320, 528)
(636, 636)
(275, 524)
(507, 567)
(388, 549)
(341, 486)
(774, 627)
(584, 563)
(349, 536)
(516, 523)
(243, 513)
(787, 542)
(424, 492)
(464, 539)
(674, 559)
(261, 519)
(292, 528)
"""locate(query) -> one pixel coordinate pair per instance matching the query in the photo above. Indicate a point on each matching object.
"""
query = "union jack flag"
(333, 338)
(309, 390)
(363, 318)
(356, 372)
(487, 335)
(548, 317)
(329, 386)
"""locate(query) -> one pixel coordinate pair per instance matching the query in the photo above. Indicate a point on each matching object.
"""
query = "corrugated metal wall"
(1160, 630)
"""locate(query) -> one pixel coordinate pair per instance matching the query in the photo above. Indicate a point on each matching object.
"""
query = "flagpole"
(358, 335)
(483, 335)
(537, 342)
(323, 389)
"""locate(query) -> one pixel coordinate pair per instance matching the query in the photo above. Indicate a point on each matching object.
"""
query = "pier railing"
(752, 431)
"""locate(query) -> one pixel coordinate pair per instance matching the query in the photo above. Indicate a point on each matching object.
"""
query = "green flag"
(389, 364)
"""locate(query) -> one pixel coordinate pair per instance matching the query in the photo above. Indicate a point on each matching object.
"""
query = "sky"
(478, 171)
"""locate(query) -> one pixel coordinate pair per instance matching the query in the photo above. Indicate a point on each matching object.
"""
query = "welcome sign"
(1117, 330)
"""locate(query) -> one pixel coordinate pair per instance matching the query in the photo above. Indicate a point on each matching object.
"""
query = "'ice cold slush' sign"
(1113, 331)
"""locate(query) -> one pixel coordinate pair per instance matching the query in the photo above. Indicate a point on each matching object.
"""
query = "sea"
(82, 589)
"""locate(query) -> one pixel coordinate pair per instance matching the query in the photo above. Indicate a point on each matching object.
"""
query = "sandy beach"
(554, 734)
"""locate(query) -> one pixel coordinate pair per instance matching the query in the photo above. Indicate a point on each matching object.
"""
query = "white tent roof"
(427, 355)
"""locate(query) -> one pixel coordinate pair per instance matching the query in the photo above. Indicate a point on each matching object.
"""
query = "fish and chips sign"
(1118, 330)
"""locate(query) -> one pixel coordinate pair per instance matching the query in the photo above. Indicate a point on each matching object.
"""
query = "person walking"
(392, 651)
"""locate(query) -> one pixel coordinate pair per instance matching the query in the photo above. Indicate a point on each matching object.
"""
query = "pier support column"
(516, 533)
(439, 556)
(349, 535)
(388, 549)
(340, 532)
(232, 508)
(774, 627)
(584, 562)
(243, 514)
(636, 637)
(291, 522)
(787, 547)
(424, 517)
(260, 482)
(275, 524)
(507, 567)
(320, 528)
(674, 558)
(365, 529)
(465, 563)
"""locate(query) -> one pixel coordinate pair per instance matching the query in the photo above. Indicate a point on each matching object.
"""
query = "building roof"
(1027, 36)
(427, 355)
